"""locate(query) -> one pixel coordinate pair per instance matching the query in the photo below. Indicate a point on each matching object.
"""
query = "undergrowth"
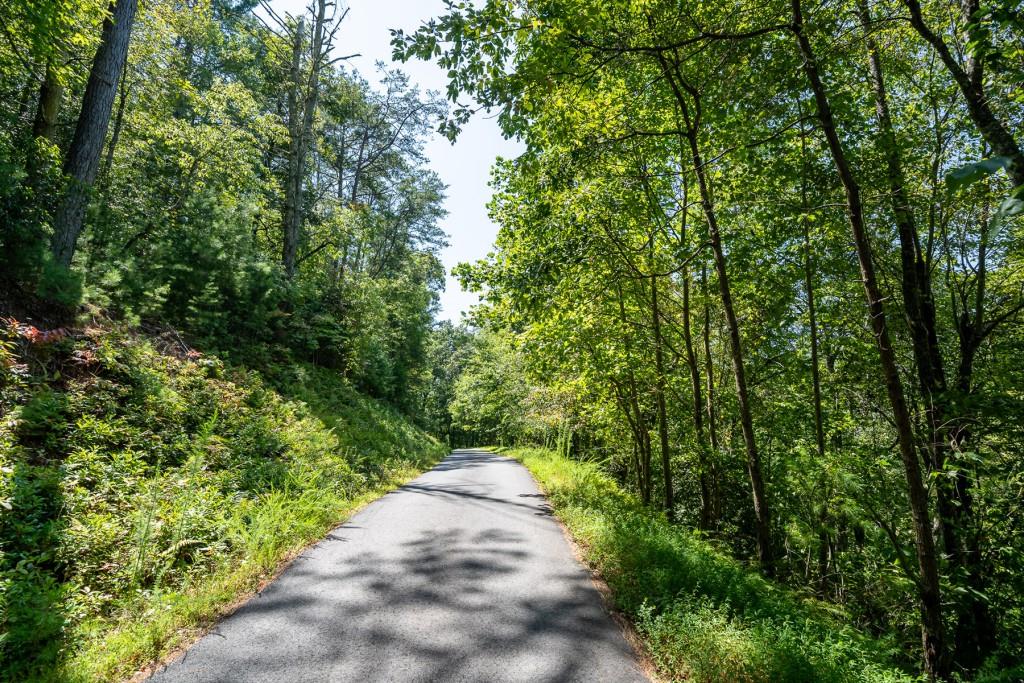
(141, 492)
(702, 616)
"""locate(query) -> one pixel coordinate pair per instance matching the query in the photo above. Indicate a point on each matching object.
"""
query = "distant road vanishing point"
(461, 575)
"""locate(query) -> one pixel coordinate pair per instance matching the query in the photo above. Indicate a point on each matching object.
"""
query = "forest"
(762, 261)
(753, 317)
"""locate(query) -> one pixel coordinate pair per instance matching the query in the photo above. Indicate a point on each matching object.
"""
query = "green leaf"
(1011, 206)
(960, 178)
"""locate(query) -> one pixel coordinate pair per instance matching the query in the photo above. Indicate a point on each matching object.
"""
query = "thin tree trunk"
(659, 390)
(812, 321)
(44, 127)
(929, 594)
(301, 128)
(761, 508)
(975, 633)
(705, 521)
(709, 365)
(83, 157)
(643, 434)
(824, 540)
(918, 302)
(122, 100)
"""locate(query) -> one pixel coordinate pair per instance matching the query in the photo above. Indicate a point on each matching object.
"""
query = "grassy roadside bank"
(701, 615)
(144, 491)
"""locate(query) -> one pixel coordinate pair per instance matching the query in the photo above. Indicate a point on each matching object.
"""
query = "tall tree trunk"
(971, 85)
(643, 434)
(824, 537)
(762, 515)
(953, 493)
(44, 127)
(918, 302)
(975, 630)
(296, 157)
(709, 364)
(83, 157)
(929, 594)
(50, 95)
(300, 123)
(705, 521)
(812, 322)
(341, 260)
(659, 392)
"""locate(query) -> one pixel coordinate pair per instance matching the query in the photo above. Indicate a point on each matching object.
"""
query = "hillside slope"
(144, 487)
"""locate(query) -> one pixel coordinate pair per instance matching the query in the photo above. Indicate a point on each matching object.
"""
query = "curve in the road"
(461, 575)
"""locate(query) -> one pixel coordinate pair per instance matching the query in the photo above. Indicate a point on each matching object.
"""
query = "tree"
(83, 157)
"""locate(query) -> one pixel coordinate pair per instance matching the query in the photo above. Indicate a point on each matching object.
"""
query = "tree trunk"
(50, 95)
(929, 598)
(824, 539)
(83, 157)
(643, 440)
(761, 508)
(812, 322)
(953, 493)
(296, 157)
(971, 85)
(659, 390)
(918, 302)
(709, 365)
(300, 126)
(122, 100)
(975, 633)
(705, 521)
(44, 127)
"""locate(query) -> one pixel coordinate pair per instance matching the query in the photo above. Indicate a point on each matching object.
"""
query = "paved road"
(461, 575)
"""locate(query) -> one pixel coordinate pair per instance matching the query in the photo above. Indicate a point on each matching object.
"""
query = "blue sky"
(464, 166)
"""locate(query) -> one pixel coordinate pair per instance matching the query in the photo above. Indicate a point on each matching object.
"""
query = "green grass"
(701, 615)
(141, 494)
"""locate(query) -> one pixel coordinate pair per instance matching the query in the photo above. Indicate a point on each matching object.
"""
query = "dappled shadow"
(457, 491)
(448, 579)
(467, 459)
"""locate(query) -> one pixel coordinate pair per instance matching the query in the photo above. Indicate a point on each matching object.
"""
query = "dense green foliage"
(143, 491)
(208, 154)
(751, 262)
(701, 615)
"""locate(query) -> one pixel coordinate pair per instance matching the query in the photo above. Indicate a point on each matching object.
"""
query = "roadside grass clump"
(701, 615)
(142, 493)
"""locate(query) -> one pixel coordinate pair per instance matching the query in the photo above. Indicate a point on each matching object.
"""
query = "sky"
(464, 166)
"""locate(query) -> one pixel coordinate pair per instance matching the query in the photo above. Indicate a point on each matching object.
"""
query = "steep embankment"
(701, 616)
(145, 487)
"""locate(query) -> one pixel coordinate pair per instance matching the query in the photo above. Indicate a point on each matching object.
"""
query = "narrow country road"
(461, 575)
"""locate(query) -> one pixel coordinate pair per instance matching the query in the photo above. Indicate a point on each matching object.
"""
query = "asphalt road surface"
(461, 575)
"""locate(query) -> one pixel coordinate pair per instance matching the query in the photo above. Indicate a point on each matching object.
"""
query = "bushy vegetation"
(702, 616)
(145, 486)
(250, 192)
